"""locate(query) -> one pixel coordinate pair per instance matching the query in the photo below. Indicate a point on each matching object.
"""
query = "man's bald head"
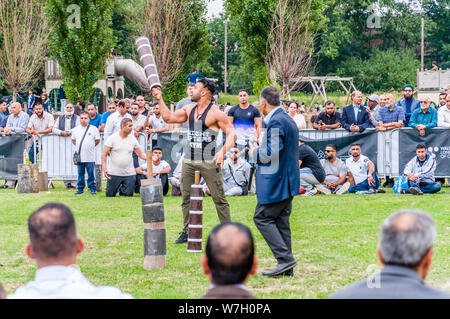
(230, 252)
(52, 232)
(406, 237)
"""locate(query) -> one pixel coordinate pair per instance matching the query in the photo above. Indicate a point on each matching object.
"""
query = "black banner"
(11, 154)
(172, 145)
(368, 141)
(436, 140)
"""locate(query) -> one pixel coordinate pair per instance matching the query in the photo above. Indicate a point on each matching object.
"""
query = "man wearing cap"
(372, 108)
(409, 103)
(423, 117)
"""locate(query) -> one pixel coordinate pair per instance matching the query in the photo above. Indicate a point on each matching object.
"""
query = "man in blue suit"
(277, 180)
(354, 116)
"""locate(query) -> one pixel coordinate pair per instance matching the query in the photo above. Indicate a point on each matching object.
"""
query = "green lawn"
(334, 241)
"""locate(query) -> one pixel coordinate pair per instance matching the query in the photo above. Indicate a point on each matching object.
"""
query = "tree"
(22, 53)
(80, 41)
(290, 44)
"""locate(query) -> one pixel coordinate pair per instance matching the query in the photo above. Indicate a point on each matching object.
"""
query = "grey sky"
(214, 8)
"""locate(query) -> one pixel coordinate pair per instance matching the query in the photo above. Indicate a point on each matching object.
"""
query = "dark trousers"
(272, 220)
(426, 187)
(164, 182)
(31, 152)
(364, 185)
(123, 184)
(89, 168)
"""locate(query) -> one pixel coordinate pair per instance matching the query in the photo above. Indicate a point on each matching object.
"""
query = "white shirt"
(64, 282)
(444, 117)
(359, 169)
(67, 122)
(299, 119)
(113, 123)
(157, 123)
(121, 158)
(87, 152)
(156, 168)
(140, 121)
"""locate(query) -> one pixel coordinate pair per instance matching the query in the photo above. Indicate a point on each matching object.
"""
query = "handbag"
(401, 183)
(244, 187)
(76, 155)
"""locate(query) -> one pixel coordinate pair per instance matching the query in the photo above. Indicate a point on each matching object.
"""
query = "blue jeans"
(89, 168)
(426, 187)
(31, 152)
(364, 185)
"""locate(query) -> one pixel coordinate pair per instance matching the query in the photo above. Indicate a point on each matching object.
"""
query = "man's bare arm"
(179, 116)
(106, 151)
(350, 178)
(140, 153)
(258, 126)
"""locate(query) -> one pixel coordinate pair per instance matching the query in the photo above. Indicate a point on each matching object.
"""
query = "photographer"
(330, 119)
(236, 172)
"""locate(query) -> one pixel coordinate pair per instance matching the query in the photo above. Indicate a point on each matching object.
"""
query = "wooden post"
(98, 177)
(195, 217)
(43, 181)
(27, 178)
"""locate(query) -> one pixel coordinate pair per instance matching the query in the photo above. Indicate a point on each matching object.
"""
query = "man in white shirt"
(114, 120)
(88, 137)
(63, 126)
(54, 245)
(444, 113)
(160, 169)
(156, 125)
(119, 147)
(361, 173)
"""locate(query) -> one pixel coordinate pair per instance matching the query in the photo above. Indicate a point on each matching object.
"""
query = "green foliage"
(383, 71)
(438, 48)
(262, 80)
(80, 51)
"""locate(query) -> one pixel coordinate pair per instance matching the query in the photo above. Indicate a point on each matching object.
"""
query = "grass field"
(334, 240)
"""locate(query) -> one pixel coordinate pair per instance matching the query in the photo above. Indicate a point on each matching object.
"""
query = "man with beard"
(361, 173)
(41, 122)
(137, 118)
(335, 173)
(63, 126)
(330, 119)
(354, 116)
(182, 103)
(442, 102)
(204, 122)
(156, 125)
(95, 118)
(114, 121)
(408, 102)
(141, 104)
(423, 117)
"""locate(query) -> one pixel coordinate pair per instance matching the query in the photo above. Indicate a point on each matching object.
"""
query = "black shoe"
(380, 191)
(183, 239)
(288, 273)
(281, 268)
(4, 186)
(415, 191)
(404, 191)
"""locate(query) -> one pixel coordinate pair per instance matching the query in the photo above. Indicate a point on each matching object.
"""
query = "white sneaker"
(311, 192)
(343, 189)
(323, 189)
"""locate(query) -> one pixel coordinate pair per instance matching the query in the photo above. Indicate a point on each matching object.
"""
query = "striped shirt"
(387, 116)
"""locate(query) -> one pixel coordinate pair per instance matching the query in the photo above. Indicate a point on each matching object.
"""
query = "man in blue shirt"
(423, 117)
(111, 108)
(31, 99)
(409, 103)
(3, 110)
(193, 77)
(94, 118)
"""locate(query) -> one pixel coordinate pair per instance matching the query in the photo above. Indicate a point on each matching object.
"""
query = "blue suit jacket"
(393, 282)
(277, 173)
(348, 118)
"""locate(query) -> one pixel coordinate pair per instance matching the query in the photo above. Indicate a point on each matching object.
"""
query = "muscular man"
(204, 121)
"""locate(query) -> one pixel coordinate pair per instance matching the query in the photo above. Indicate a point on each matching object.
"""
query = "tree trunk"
(14, 99)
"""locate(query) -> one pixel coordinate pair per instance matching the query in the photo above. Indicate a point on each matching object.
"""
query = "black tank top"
(201, 139)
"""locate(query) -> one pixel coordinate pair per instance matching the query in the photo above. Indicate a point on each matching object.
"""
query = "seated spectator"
(160, 169)
(311, 172)
(41, 122)
(229, 261)
(354, 116)
(111, 108)
(299, 119)
(372, 108)
(420, 172)
(17, 120)
(54, 245)
(423, 117)
(442, 98)
(63, 127)
(408, 103)
(335, 173)
(95, 118)
(236, 174)
(390, 116)
(361, 173)
(444, 114)
(330, 119)
(405, 250)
